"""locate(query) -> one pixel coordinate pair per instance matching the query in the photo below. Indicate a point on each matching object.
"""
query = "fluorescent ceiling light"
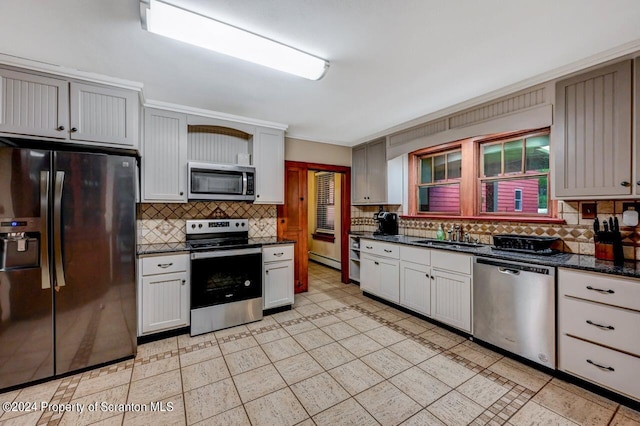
(180, 24)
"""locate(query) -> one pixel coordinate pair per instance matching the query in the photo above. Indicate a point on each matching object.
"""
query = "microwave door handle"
(44, 230)
(244, 183)
(57, 229)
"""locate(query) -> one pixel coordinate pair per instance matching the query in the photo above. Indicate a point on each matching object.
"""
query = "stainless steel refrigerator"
(67, 261)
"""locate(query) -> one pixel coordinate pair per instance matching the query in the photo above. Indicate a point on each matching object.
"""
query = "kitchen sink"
(444, 243)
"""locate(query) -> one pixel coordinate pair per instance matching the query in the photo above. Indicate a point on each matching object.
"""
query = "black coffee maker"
(387, 223)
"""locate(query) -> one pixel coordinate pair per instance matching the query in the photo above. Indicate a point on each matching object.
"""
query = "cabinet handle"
(432, 277)
(257, 195)
(625, 183)
(266, 272)
(376, 263)
(427, 275)
(184, 282)
(638, 182)
(74, 129)
(164, 265)
(228, 295)
(369, 247)
(181, 193)
(60, 128)
(278, 254)
(601, 366)
(607, 327)
(388, 251)
(599, 290)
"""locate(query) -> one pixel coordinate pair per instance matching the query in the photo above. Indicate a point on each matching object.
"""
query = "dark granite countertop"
(564, 260)
(167, 248)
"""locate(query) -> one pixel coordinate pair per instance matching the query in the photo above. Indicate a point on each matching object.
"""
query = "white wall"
(316, 152)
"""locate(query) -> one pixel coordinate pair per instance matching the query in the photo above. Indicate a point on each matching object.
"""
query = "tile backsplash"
(576, 234)
(165, 223)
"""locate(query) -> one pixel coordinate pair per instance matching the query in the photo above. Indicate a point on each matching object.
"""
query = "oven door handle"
(224, 253)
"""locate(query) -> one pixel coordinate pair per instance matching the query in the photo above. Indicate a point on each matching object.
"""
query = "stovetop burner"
(541, 252)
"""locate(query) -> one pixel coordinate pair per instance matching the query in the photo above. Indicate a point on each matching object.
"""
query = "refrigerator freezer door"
(26, 320)
(96, 308)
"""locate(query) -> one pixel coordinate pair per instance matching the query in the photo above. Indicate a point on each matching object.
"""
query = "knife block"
(604, 251)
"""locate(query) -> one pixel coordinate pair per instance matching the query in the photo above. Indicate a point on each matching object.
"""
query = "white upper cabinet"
(104, 114)
(164, 156)
(374, 180)
(33, 105)
(36, 105)
(268, 159)
(592, 134)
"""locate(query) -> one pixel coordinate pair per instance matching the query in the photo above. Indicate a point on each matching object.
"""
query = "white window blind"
(325, 202)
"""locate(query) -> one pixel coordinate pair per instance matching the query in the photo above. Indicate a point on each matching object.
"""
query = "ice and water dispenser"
(19, 250)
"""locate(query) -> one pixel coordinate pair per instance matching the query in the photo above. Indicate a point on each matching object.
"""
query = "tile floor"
(336, 358)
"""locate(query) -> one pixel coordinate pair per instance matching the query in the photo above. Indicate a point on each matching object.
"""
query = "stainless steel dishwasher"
(514, 308)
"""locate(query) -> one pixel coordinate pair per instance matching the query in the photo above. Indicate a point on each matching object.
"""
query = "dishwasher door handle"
(508, 271)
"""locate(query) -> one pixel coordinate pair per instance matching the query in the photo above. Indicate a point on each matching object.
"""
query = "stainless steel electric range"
(226, 275)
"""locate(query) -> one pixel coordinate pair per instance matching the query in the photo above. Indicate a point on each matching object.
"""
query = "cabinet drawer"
(381, 249)
(624, 292)
(165, 264)
(277, 253)
(615, 370)
(415, 255)
(449, 261)
(606, 325)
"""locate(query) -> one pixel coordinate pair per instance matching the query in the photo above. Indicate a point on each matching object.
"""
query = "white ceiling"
(391, 61)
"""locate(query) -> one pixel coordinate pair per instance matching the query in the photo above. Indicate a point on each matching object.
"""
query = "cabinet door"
(278, 284)
(389, 273)
(593, 133)
(164, 157)
(165, 302)
(451, 299)
(33, 105)
(104, 114)
(377, 172)
(415, 287)
(359, 175)
(369, 274)
(268, 158)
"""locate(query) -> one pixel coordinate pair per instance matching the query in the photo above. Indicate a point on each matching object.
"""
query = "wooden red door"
(292, 221)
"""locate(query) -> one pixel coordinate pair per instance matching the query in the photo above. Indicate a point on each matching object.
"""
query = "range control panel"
(213, 226)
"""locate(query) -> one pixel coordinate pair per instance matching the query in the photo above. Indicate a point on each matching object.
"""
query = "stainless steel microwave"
(208, 181)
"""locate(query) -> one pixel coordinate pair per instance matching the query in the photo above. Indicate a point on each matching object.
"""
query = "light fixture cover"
(189, 27)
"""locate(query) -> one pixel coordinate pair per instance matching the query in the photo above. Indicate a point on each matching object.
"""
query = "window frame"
(440, 183)
(504, 176)
(470, 181)
(332, 195)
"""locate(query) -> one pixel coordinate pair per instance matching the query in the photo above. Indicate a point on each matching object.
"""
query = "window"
(325, 202)
(514, 175)
(517, 199)
(438, 189)
(504, 176)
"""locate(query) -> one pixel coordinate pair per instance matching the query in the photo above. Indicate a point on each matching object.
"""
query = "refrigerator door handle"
(57, 229)
(44, 229)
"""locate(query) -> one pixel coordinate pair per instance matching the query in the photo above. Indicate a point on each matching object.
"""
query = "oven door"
(222, 276)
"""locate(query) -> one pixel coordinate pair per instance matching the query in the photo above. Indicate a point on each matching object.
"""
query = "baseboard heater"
(325, 260)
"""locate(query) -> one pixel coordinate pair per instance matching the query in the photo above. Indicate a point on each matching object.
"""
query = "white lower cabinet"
(451, 299)
(415, 287)
(163, 293)
(434, 283)
(598, 322)
(380, 276)
(277, 284)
